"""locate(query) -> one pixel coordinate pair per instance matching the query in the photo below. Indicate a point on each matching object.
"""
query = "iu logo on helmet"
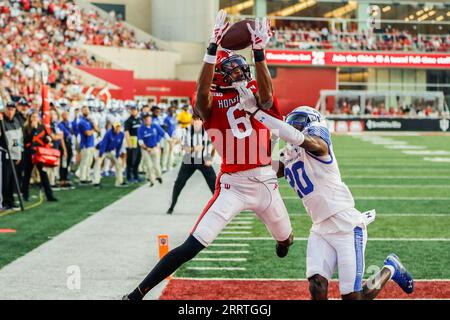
(227, 186)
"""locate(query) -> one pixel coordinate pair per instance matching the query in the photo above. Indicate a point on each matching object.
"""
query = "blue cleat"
(401, 276)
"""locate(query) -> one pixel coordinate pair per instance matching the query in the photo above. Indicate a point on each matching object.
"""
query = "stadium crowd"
(373, 109)
(52, 32)
(306, 36)
(132, 141)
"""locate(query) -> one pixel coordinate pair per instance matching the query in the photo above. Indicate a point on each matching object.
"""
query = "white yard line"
(239, 222)
(441, 215)
(217, 268)
(238, 228)
(437, 159)
(379, 214)
(221, 259)
(235, 232)
(225, 252)
(404, 147)
(390, 186)
(229, 245)
(370, 239)
(281, 279)
(427, 152)
(388, 198)
(427, 177)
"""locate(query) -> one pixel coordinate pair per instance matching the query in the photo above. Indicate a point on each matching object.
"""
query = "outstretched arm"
(260, 37)
(203, 101)
(314, 144)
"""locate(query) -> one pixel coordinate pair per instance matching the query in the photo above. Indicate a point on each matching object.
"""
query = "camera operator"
(13, 134)
(35, 135)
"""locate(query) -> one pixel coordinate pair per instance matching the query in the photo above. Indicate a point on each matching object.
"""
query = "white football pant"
(254, 189)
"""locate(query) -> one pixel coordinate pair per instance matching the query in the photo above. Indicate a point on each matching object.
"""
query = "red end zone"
(184, 289)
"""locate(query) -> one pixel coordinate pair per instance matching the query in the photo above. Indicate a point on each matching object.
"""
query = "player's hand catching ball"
(262, 33)
(219, 28)
(247, 100)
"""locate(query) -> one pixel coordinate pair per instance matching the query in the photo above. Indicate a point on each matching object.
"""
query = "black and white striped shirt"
(191, 138)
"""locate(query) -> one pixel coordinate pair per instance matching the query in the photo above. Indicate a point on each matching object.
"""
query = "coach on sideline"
(87, 129)
(198, 155)
(149, 134)
(110, 147)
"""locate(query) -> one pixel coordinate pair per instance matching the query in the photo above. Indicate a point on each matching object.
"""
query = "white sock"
(391, 268)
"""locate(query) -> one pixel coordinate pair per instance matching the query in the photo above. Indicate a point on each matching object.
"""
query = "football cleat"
(281, 250)
(125, 297)
(282, 247)
(401, 276)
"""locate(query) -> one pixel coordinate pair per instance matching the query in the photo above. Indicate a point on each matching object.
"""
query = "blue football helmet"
(304, 117)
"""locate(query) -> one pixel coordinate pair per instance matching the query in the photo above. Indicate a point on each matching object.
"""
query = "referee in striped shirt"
(198, 154)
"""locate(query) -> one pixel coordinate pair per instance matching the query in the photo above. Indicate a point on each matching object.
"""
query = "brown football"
(238, 37)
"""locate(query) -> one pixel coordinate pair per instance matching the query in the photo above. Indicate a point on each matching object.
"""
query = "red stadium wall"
(162, 88)
(301, 86)
(293, 86)
(121, 78)
(131, 87)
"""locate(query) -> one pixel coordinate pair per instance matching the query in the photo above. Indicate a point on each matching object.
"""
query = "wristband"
(209, 59)
(259, 55)
(210, 55)
(212, 49)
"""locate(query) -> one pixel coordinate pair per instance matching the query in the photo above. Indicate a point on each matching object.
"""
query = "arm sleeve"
(280, 128)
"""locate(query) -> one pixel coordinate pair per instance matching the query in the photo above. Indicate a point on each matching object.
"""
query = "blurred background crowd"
(130, 140)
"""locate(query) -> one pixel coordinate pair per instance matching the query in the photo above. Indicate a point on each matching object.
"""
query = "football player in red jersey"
(247, 180)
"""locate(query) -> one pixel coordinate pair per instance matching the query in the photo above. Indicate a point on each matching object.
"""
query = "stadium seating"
(299, 36)
(53, 32)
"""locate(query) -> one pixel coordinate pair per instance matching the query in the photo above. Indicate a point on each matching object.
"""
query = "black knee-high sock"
(171, 262)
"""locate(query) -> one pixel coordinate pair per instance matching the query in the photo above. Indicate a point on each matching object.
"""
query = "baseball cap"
(11, 104)
(23, 102)
(116, 124)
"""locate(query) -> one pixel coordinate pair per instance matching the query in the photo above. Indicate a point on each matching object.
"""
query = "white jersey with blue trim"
(316, 180)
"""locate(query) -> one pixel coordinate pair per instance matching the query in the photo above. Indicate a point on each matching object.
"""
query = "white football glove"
(246, 97)
(219, 28)
(262, 33)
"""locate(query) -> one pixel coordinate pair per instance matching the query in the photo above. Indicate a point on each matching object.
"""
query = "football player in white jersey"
(339, 233)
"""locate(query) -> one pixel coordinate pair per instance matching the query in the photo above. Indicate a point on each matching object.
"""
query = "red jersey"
(241, 141)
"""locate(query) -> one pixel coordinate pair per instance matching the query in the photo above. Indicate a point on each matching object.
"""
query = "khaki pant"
(87, 156)
(53, 174)
(152, 163)
(111, 156)
(167, 155)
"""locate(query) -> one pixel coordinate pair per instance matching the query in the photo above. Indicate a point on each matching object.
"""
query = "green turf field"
(44, 221)
(411, 196)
